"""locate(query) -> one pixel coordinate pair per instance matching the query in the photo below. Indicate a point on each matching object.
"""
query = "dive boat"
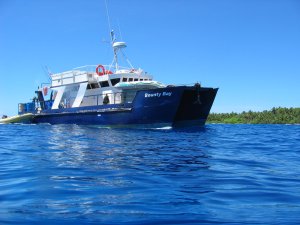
(112, 95)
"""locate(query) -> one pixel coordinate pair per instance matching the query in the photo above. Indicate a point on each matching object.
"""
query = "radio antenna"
(107, 14)
(120, 31)
(47, 72)
(117, 46)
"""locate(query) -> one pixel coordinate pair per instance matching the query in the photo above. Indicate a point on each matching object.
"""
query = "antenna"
(47, 72)
(112, 37)
(120, 31)
(117, 46)
(107, 14)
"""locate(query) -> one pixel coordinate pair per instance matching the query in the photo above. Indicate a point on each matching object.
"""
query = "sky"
(249, 49)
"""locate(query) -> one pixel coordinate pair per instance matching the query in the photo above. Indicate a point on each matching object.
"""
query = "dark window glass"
(95, 85)
(104, 84)
(136, 79)
(141, 79)
(115, 81)
(130, 79)
(124, 79)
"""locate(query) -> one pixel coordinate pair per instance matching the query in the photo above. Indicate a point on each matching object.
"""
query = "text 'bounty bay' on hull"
(114, 95)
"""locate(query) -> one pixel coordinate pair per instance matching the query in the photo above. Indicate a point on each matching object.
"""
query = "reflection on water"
(112, 171)
(118, 149)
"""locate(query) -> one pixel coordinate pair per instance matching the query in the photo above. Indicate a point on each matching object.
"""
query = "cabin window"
(104, 83)
(145, 79)
(124, 79)
(130, 79)
(141, 79)
(136, 79)
(93, 86)
(115, 81)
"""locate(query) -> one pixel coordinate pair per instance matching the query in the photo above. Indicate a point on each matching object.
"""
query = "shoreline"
(277, 115)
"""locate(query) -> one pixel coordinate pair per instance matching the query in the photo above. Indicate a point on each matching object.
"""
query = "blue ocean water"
(69, 174)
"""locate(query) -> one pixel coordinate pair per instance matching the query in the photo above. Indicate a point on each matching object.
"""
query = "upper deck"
(104, 77)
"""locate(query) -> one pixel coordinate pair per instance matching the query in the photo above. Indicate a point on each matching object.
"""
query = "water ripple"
(228, 174)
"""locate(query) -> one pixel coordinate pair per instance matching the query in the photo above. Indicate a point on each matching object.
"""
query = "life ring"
(102, 72)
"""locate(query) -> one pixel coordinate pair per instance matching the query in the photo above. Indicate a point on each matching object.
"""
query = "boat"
(22, 118)
(113, 95)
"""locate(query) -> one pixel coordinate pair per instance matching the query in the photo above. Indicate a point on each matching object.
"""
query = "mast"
(112, 36)
(117, 46)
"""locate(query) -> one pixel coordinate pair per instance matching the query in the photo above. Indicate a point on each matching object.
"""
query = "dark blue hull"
(171, 106)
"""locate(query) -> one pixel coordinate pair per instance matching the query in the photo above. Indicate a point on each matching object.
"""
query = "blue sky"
(250, 49)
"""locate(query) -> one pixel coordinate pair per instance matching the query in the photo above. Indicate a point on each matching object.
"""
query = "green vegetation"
(274, 116)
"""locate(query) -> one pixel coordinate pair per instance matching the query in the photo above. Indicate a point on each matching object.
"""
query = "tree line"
(277, 115)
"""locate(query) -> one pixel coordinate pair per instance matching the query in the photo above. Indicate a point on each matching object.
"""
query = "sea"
(216, 174)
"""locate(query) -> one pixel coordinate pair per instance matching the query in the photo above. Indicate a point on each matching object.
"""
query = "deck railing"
(90, 100)
(98, 99)
(87, 69)
(81, 74)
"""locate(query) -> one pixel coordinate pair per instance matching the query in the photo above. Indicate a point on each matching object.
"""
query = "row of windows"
(133, 79)
(114, 82)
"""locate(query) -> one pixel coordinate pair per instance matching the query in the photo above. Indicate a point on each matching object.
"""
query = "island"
(278, 115)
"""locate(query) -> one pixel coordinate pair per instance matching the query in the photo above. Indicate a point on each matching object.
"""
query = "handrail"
(92, 68)
(120, 95)
(78, 71)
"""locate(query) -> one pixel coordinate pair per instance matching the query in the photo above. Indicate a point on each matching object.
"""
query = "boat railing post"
(125, 97)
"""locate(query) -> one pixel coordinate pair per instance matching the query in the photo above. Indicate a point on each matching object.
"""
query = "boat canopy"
(140, 84)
